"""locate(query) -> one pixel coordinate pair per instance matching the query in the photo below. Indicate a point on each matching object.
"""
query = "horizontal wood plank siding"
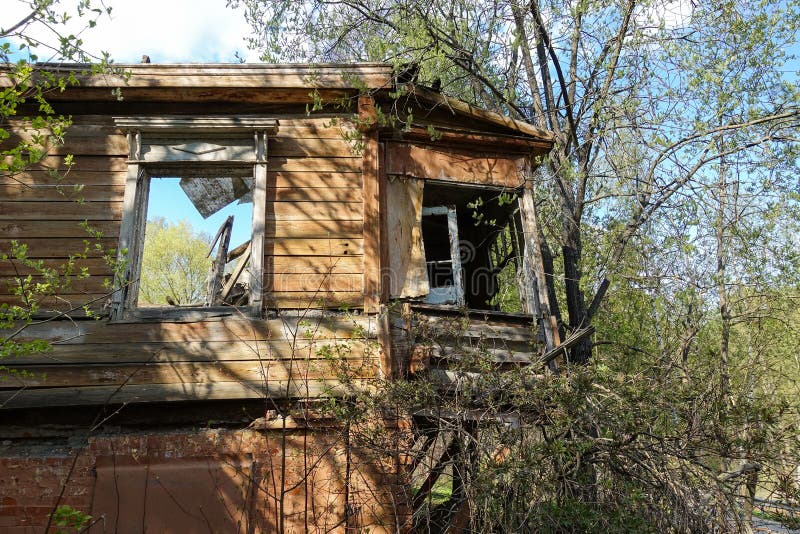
(314, 209)
(448, 164)
(170, 361)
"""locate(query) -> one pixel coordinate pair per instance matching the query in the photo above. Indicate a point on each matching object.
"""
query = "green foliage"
(67, 519)
(29, 126)
(175, 263)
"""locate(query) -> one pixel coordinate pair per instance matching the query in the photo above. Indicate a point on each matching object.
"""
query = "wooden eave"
(515, 144)
(240, 76)
(433, 100)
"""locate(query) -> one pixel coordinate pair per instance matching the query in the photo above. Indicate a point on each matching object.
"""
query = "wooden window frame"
(188, 145)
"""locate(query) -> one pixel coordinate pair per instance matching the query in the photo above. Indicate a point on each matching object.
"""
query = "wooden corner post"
(534, 271)
(372, 202)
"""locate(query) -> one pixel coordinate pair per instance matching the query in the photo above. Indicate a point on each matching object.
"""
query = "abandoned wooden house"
(362, 198)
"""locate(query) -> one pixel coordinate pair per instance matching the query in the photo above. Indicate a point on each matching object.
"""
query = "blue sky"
(169, 31)
(168, 200)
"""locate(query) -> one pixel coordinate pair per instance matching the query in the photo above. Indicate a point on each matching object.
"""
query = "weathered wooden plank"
(81, 164)
(331, 300)
(124, 352)
(60, 247)
(500, 356)
(290, 282)
(446, 134)
(27, 230)
(290, 246)
(61, 210)
(280, 301)
(224, 329)
(372, 220)
(112, 142)
(64, 302)
(98, 395)
(94, 374)
(439, 163)
(310, 147)
(329, 126)
(301, 229)
(94, 266)
(283, 164)
(69, 179)
(320, 179)
(61, 192)
(314, 194)
(314, 264)
(477, 329)
(285, 99)
(323, 128)
(100, 144)
(275, 179)
(309, 211)
(302, 77)
(92, 284)
(112, 211)
(313, 229)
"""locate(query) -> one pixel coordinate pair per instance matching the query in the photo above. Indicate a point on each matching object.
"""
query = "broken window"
(469, 248)
(197, 242)
(476, 265)
(211, 167)
(442, 255)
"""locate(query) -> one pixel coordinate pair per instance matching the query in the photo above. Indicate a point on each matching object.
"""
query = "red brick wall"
(223, 480)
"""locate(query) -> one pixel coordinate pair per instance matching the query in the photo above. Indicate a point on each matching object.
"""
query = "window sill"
(489, 315)
(186, 314)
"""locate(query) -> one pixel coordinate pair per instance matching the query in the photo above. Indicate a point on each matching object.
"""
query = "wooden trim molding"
(190, 144)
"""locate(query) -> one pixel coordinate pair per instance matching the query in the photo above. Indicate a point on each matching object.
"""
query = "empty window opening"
(472, 241)
(196, 245)
(442, 255)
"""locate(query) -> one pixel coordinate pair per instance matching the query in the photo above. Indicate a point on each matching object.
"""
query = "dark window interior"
(437, 250)
(489, 243)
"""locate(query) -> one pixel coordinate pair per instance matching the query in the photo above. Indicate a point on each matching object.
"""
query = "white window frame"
(177, 145)
(454, 294)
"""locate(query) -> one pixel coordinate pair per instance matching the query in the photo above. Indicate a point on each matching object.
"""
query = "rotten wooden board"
(290, 282)
(314, 264)
(95, 267)
(225, 329)
(280, 301)
(97, 395)
(315, 164)
(112, 211)
(94, 374)
(77, 355)
(61, 192)
(259, 76)
(290, 246)
(74, 177)
(60, 247)
(441, 163)
(55, 229)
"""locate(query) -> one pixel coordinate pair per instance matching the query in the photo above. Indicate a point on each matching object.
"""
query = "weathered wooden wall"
(314, 228)
(96, 363)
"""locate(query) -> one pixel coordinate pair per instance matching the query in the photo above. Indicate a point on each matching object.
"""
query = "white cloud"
(667, 13)
(169, 31)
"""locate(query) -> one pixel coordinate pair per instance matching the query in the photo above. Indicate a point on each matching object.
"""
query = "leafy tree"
(174, 263)
(624, 85)
(40, 29)
(674, 176)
